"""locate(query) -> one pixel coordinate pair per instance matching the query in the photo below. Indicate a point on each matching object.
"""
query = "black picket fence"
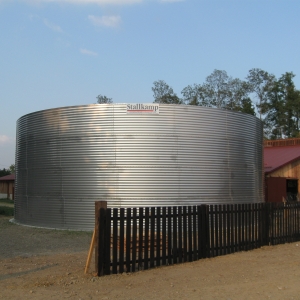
(133, 239)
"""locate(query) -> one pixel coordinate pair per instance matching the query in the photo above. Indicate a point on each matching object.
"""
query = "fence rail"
(282, 142)
(133, 239)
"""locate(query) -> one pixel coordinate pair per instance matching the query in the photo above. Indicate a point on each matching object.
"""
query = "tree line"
(8, 171)
(276, 101)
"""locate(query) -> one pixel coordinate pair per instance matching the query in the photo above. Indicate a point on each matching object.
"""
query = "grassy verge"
(6, 207)
(6, 211)
(7, 201)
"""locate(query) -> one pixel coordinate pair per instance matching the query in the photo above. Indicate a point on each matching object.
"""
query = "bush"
(6, 211)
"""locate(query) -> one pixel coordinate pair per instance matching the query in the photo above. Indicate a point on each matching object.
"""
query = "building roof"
(7, 177)
(277, 157)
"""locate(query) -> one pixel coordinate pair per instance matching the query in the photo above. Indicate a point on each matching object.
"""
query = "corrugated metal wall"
(66, 158)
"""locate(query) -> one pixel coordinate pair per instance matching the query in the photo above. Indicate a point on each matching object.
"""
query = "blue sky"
(65, 52)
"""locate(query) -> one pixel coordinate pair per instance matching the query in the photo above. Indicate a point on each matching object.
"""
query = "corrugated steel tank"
(69, 157)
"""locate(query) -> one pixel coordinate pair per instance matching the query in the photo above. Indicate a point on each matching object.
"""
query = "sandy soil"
(49, 264)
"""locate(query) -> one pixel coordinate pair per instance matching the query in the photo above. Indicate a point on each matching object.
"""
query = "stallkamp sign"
(152, 108)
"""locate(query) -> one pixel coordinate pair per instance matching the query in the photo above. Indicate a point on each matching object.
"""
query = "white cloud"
(4, 139)
(88, 52)
(170, 1)
(107, 21)
(32, 17)
(52, 26)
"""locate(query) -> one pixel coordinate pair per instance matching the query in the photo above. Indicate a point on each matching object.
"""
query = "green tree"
(215, 90)
(260, 83)
(274, 111)
(221, 91)
(247, 106)
(281, 109)
(295, 103)
(292, 103)
(193, 95)
(212, 93)
(12, 169)
(4, 172)
(238, 99)
(104, 100)
(163, 93)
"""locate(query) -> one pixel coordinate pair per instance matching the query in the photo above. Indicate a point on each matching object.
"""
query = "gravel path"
(49, 264)
(27, 241)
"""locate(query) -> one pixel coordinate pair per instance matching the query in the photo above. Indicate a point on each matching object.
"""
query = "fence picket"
(141, 238)
(194, 233)
(101, 240)
(215, 233)
(180, 234)
(128, 238)
(190, 241)
(146, 243)
(212, 218)
(164, 236)
(223, 229)
(231, 226)
(152, 236)
(175, 235)
(107, 241)
(184, 224)
(236, 228)
(115, 242)
(158, 236)
(199, 233)
(134, 239)
(121, 250)
(169, 236)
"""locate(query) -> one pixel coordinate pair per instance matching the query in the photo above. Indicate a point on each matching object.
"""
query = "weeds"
(6, 211)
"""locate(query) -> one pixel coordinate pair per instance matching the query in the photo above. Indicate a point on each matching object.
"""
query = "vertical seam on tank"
(114, 143)
(26, 169)
(178, 169)
(61, 175)
(228, 159)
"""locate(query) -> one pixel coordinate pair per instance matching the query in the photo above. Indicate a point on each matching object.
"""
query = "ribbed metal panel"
(66, 158)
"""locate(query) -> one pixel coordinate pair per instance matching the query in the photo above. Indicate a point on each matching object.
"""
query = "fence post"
(267, 224)
(100, 208)
(207, 230)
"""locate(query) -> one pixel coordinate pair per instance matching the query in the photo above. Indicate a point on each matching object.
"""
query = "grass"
(6, 207)
(6, 201)
(6, 211)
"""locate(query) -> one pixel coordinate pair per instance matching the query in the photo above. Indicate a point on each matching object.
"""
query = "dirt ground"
(49, 264)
